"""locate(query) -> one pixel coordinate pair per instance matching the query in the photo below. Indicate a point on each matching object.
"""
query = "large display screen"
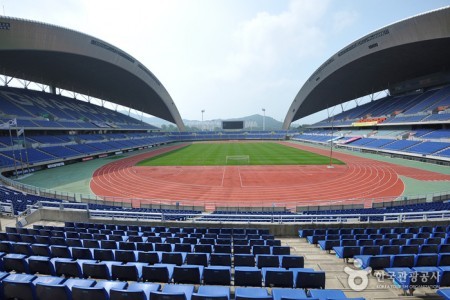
(232, 124)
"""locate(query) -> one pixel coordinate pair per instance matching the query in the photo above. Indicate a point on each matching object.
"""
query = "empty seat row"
(23, 286)
(329, 244)
(350, 251)
(59, 237)
(390, 239)
(303, 233)
(89, 233)
(90, 251)
(163, 272)
(177, 258)
(187, 244)
(232, 231)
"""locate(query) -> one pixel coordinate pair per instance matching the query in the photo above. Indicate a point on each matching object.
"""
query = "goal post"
(237, 159)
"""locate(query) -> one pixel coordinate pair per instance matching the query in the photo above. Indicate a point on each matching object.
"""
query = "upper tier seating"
(39, 109)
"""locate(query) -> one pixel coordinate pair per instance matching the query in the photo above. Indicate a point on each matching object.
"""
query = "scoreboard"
(232, 125)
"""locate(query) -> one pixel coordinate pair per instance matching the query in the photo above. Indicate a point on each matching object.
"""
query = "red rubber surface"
(288, 186)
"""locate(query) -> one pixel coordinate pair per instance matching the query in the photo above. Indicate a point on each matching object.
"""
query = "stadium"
(97, 204)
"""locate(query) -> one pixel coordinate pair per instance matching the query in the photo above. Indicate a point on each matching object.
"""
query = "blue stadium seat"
(41, 250)
(444, 276)
(444, 259)
(23, 286)
(267, 261)
(41, 265)
(100, 291)
(69, 268)
(378, 262)
(327, 245)
(244, 260)
(402, 261)
(307, 278)
(258, 249)
(222, 248)
(242, 249)
(81, 253)
(125, 255)
(173, 292)
(61, 291)
(104, 254)
(15, 262)
(158, 273)
(251, 293)
(22, 248)
(426, 260)
(212, 292)
(134, 291)
(247, 276)
(203, 248)
(179, 247)
(347, 252)
(217, 275)
(98, 270)
(281, 250)
(329, 294)
(108, 244)
(131, 271)
(279, 294)
(163, 247)
(292, 261)
(176, 258)
(190, 274)
(220, 259)
(278, 277)
(200, 259)
(444, 293)
(60, 251)
(144, 246)
(149, 257)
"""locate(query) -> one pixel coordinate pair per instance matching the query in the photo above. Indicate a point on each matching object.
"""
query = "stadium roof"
(74, 61)
(381, 60)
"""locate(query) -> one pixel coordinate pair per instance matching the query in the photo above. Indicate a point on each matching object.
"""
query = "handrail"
(269, 218)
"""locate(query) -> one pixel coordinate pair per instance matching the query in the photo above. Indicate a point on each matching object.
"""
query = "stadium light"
(264, 119)
(203, 126)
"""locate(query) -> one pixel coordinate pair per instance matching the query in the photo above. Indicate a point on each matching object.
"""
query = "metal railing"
(398, 217)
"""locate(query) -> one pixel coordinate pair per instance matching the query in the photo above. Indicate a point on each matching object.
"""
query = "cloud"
(344, 19)
(269, 41)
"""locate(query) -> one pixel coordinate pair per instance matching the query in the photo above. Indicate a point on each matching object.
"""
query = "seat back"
(310, 280)
(217, 275)
(264, 261)
(96, 270)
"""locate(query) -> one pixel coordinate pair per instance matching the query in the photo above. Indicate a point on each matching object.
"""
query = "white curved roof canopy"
(81, 63)
(408, 49)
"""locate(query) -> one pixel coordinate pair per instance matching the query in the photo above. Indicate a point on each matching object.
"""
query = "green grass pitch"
(214, 154)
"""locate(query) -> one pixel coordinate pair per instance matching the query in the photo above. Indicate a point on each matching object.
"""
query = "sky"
(230, 58)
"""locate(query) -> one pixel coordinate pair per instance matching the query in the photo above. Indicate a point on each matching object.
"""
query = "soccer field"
(219, 154)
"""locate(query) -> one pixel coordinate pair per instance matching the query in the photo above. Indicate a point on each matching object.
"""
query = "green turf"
(214, 154)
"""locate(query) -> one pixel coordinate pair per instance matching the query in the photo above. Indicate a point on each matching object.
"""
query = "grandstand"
(107, 247)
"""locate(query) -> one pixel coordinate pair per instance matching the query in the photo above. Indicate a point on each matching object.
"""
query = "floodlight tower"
(203, 126)
(264, 119)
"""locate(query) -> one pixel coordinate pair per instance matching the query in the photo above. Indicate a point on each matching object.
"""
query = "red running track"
(288, 186)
